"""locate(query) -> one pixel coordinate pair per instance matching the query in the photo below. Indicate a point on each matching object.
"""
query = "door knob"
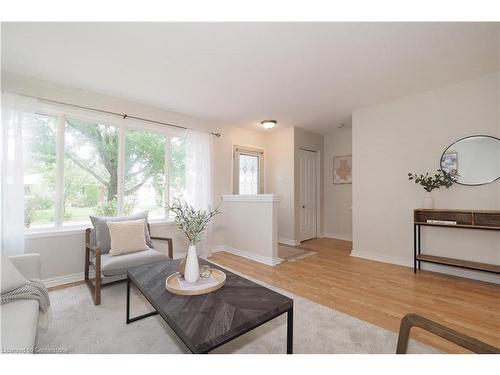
(303, 206)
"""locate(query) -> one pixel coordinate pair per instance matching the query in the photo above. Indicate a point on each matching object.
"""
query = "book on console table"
(442, 222)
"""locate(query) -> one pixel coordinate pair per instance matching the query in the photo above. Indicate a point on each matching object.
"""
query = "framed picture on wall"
(342, 169)
(449, 163)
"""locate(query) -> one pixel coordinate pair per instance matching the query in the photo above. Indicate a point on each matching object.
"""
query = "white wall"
(223, 166)
(280, 177)
(391, 139)
(251, 227)
(337, 222)
(281, 173)
(223, 156)
(62, 255)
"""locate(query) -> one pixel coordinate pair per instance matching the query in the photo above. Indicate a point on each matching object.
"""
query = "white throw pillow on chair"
(127, 236)
(11, 277)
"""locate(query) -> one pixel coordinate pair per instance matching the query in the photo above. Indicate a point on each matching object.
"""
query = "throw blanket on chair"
(31, 290)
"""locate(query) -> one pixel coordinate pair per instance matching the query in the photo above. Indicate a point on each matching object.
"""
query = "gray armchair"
(110, 269)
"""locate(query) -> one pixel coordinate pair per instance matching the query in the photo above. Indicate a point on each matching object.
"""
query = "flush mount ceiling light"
(268, 124)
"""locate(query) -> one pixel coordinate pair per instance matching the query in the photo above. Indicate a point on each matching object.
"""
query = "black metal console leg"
(130, 320)
(289, 332)
(414, 248)
(418, 245)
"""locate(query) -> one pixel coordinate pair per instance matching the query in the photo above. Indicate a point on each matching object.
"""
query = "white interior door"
(308, 195)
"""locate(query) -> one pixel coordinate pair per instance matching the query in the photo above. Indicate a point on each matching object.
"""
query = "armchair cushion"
(118, 265)
(101, 230)
(127, 236)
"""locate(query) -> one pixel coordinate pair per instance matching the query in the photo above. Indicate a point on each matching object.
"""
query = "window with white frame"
(248, 170)
(75, 167)
(39, 163)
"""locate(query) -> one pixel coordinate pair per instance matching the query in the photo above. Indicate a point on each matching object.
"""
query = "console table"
(465, 219)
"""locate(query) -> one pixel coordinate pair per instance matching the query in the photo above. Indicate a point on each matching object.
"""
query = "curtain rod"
(122, 115)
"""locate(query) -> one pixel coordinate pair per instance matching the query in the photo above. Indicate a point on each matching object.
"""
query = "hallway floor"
(382, 293)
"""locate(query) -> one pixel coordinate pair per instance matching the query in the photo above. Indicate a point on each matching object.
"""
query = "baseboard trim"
(439, 268)
(381, 258)
(342, 237)
(62, 280)
(287, 241)
(217, 248)
(77, 277)
(247, 254)
(465, 273)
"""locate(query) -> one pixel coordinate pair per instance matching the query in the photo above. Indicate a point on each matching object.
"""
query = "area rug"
(78, 326)
(293, 253)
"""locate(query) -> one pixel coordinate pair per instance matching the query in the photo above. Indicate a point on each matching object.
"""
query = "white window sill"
(77, 229)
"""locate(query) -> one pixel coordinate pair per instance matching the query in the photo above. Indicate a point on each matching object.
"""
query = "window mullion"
(121, 170)
(60, 191)
(168, 161)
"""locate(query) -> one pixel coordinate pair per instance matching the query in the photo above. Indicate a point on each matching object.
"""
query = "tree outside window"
(91, 173)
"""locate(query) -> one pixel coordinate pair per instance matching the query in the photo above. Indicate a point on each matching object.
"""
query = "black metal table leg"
(289, 332)
(128, 300)
(130, 320)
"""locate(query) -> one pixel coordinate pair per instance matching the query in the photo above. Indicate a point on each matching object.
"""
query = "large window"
(90, 170)
(39, 142)
(144, 173)
(177, 168)
(248, 168)
(75, 168)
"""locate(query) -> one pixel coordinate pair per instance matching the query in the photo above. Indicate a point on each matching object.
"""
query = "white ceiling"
(311, 75)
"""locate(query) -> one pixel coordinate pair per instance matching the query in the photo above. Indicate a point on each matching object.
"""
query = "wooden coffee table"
(208, 321)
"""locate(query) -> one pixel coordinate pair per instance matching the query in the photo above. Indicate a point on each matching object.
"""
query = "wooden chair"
(467, 342)
(93, 258)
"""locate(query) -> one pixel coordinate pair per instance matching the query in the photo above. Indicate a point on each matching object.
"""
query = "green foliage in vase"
(429, 182)
(189, 221)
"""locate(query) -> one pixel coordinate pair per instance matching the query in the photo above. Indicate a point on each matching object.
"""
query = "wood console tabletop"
(465, 219)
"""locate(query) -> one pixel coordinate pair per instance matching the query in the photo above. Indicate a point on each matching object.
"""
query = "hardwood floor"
(382, 293)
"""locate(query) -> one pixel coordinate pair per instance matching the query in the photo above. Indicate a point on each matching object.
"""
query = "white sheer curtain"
(17, 113)
(199, 178)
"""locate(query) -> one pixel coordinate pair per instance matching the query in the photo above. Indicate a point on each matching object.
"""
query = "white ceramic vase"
(428, 200)
(192, 270)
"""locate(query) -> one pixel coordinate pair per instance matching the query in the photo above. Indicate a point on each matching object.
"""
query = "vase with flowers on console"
(428, 200)
(429, 183)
